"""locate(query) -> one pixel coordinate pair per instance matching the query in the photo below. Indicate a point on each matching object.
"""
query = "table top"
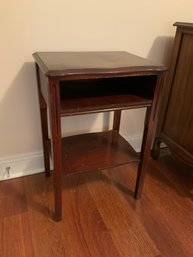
(99, 63)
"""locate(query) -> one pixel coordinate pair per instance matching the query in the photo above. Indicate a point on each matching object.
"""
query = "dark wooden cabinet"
(175, 126)
(75, 83)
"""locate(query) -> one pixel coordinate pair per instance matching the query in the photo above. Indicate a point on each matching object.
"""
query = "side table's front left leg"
(54, 97)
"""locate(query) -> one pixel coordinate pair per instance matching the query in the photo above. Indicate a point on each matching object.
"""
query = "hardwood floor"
(101, 216)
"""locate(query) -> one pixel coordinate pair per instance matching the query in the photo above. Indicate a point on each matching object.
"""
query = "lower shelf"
(95, 151)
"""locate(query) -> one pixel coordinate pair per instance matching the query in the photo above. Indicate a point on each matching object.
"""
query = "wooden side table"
(75, 83)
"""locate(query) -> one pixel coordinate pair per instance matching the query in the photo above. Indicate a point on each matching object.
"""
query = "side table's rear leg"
(44, 126)
(116, 120)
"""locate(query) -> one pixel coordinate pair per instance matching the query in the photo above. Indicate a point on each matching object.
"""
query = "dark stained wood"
(104, 104)
(184, 24)
(175, 127)
(94, 64)
(44, 125)
(74, 83)
(54, 99)
(96, 151)
(99, 95)
(151, 120)
(101, 217)
(117, 120)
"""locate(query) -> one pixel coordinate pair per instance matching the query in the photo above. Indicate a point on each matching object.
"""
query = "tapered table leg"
(145, 154)
(149, 129)
(116, 120)
(44, 126)
(55, 120)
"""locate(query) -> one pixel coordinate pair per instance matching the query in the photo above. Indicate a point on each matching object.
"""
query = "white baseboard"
(135, 141)
(32, 163)
(21, 165)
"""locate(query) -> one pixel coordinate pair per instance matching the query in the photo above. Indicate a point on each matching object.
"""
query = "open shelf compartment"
(96, 151)
(105, 94)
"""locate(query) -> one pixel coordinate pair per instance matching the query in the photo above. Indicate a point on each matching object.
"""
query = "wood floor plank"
(128, 234)
(16, 238)
(46, 234)
(12, 198)
(174, 213)
(82, 232)
(83, 223)
(168, 227)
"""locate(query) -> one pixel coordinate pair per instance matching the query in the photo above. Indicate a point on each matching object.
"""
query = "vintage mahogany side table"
(75, 83)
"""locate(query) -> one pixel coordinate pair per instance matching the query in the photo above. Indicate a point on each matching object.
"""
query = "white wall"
(141, 27)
